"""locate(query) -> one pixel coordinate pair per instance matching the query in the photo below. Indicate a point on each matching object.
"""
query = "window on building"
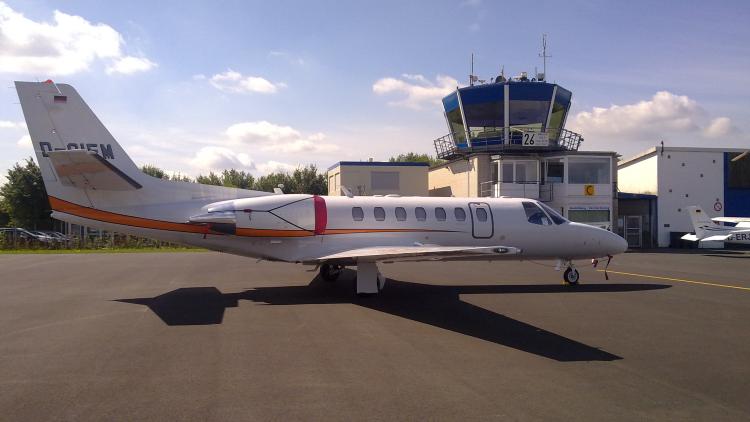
(738, 175)
(460, 214)
(400, 214)
(420, 213)
(559, 110)
(555, 171)
(379, 213)
(589, 170)
(535, 215)
(589, 216)
(457, 125)
(481, 214)
(384, 180)
(358, 214)
(507, 173)
(440, 214)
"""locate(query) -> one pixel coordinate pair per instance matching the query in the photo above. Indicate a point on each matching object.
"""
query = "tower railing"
(455, 145)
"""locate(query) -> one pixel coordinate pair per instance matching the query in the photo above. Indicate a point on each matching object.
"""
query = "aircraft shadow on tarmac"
(436, 305)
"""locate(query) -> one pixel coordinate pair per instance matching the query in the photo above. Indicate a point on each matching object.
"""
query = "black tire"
(571, 276)
(330, 272)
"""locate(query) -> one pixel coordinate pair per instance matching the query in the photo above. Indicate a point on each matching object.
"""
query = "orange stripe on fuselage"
(147, 223)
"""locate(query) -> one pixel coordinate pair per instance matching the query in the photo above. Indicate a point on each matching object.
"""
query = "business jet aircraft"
(709, 229)
(91, 181)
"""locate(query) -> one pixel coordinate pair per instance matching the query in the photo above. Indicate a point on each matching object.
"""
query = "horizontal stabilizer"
(731, 219)
(412, 253)
(690, 237)
(88, 170)
(720, 237)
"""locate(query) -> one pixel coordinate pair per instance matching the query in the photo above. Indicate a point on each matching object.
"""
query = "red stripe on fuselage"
(321, 214)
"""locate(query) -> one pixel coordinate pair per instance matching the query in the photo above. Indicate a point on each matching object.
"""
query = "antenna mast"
(471, 75)
(544, 55)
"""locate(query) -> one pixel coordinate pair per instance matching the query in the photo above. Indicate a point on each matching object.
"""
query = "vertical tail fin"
(59, 120)
(701, 221)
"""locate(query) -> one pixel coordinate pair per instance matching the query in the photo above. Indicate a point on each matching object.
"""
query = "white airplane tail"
(705, 228)
(83, 166)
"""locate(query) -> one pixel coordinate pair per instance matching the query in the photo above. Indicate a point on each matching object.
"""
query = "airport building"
(378, 178)
(657, 185)
(508, 138)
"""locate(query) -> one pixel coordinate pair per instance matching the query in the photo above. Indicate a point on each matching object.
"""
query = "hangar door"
(481, 220)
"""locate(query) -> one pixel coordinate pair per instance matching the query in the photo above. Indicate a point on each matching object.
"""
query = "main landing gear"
(369, 279)
(570, 276)
(330, 272)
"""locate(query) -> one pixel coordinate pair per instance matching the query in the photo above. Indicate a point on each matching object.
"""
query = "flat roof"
(380, 164)
(626, 195)
(652, 151)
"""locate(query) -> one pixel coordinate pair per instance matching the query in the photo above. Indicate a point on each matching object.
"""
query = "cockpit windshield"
(556, 217)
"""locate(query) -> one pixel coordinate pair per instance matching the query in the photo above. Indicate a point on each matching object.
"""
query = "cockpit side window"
(554, 215)
(535, 215)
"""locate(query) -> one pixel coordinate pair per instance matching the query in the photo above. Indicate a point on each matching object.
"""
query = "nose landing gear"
(570, 276)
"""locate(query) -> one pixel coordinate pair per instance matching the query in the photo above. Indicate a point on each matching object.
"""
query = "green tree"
(268, 182)
(24, 199)
(211, 179)
(154, 171)
(418, 158)
(308, 180)
(180, 178)
(237, 179)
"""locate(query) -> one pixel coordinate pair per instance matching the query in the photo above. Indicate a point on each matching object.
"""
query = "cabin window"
(420, 213)
(358, 214)
(460, 214)
(535, 215)
(440, 214)
(379, 213)
(481, 214)
(400, 214)
(554, 215)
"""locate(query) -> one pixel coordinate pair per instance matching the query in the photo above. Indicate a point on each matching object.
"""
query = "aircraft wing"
(690, 237)
(87, 170)
(731, 219)
(720, 237)
(418, 253)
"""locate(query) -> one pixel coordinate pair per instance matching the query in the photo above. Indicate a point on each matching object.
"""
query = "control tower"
(508, 138)
(507, 115)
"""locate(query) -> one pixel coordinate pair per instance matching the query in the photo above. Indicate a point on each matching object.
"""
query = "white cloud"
(130, 64)
(220, 158)
(663, 112)
(275, 167)
(665, 116)
(718, 127)
(67, 45)
(416, 89)
(276, 138)
(25, 142)
(235, 82)
(6, 124)
(261, 131)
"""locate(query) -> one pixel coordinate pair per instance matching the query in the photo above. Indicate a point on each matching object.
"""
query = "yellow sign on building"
(588, 190)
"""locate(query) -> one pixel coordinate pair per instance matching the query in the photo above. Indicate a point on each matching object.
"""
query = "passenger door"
(482, 225)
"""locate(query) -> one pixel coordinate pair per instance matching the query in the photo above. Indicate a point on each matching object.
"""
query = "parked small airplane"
(91, 181)
(710, 229)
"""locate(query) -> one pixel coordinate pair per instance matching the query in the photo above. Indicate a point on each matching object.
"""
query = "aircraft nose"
(616, 244)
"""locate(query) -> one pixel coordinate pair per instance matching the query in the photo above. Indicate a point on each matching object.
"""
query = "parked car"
(18, 233)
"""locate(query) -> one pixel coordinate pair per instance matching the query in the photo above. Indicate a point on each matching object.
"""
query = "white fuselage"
(299, 228)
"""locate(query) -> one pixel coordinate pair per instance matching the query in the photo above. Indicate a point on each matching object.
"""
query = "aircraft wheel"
(330, 272)
(571, 276)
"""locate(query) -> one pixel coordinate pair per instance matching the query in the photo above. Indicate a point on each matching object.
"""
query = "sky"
(194, 87)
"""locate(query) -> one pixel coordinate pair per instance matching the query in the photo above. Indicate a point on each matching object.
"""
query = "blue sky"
(269, 85)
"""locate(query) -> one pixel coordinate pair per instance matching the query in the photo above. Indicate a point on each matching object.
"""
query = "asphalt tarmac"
(208, 336)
